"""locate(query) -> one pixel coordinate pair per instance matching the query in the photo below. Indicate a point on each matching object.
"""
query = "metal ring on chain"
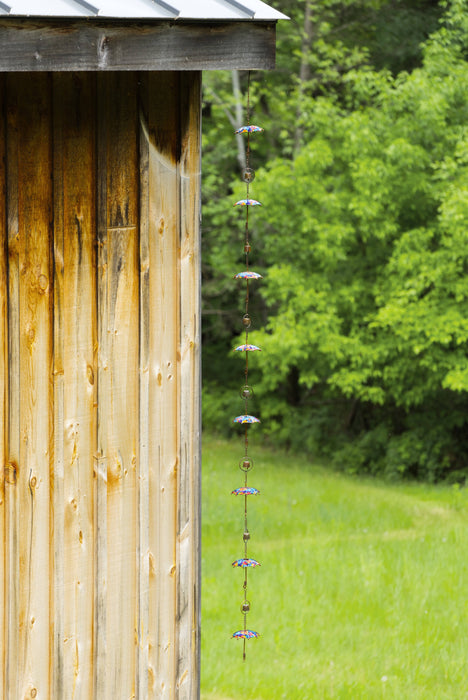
(246, 464)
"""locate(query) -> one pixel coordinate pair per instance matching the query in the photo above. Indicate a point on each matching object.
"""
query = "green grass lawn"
(363, 587)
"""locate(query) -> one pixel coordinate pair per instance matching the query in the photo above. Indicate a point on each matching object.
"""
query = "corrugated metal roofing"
(227, 10)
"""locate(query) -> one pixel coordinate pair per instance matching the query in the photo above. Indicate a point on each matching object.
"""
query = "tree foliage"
(363, 235)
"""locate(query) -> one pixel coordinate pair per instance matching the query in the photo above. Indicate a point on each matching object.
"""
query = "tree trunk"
(304, 71)
(241, 158)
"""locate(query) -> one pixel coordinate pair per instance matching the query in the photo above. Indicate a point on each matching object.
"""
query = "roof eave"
(100, 44)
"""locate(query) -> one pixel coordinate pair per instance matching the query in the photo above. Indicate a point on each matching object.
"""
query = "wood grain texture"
(74, 376)
(35, 346)
(99, 390)
(71, 45)
(164, 197)
(122, 197)
(143, 551)
(14, 394)
(3, 379)
(188, 516)
(103, 408)
(59, 683)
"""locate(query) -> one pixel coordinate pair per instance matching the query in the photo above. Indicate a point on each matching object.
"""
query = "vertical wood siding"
(99, 386)
(74, 382)
(4, 472)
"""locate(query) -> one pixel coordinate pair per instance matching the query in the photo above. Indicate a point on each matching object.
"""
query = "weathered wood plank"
(75, 331)
(123, 362)
(48, 45)
(188, 521)
(142, 559)
(3, 382)
(14, 396)
(104, 406)
(59, 683)
(34, 216)
(164, 221)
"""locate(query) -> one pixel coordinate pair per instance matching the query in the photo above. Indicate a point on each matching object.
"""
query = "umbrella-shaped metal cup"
(251, 129)
(245, 634)
(245, 491)
(248, 275)
(246, 419)
(245, 563)
(248, 203)
(247, 347)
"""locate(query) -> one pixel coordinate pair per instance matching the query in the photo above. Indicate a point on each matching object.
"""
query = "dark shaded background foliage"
(363, 173)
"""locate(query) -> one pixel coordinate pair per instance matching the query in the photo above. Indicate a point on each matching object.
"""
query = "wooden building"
(100, 340)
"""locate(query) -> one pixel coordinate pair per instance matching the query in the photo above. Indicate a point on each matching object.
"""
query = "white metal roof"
(143, 9)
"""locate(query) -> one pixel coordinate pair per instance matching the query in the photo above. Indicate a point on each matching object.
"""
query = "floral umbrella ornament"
(245, 634)
(248, 275)
(245, 491)
(247, 348)
(248, 203)
(243, 563)
(246, 419)
(249, 129)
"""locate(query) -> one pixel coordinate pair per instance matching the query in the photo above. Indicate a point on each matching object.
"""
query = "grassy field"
(362, 592)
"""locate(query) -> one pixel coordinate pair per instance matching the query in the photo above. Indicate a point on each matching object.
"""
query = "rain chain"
(246, 392)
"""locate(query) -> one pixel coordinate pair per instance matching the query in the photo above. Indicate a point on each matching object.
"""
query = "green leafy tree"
(365, 232)
(362, 235)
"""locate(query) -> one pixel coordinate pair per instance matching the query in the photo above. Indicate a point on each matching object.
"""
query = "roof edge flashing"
(163, 10)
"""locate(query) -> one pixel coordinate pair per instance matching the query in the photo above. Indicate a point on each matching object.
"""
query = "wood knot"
(115, 471)
(90, 374)
(10, 472)
(42, 283)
